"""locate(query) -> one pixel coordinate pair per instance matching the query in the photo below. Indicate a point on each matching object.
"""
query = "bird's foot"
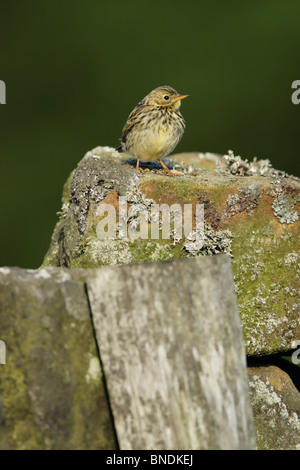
(140, 169)
(167, 171)
(172, 173)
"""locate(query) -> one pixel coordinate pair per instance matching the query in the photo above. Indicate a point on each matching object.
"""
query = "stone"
(53, 394)
(276, 408)
(175, 378)
(251, 212)
(51, 387)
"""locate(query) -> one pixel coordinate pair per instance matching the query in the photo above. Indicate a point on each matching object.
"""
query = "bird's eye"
(166, 97)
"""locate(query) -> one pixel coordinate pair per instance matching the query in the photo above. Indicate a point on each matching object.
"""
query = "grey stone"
(171, 345)
(276, 407)
(51, 390)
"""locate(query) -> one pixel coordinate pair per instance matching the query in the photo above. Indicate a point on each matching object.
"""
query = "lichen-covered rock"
(251, 212)
(51, 389)
(276, 408)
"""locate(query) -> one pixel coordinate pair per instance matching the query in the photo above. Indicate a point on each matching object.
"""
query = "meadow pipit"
(154, 127)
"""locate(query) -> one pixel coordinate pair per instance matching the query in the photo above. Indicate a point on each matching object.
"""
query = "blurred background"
(74, 71)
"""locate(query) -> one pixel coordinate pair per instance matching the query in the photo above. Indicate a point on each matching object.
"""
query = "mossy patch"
(241, 219)
(44, 396)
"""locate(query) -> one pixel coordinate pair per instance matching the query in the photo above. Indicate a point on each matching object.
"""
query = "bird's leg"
(166, 169)
(138, 165)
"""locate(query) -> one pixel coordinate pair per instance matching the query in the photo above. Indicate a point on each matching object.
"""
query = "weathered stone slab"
(171, 345)
(51, 390)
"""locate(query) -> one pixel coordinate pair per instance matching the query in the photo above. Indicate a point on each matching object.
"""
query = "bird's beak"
(180, 97)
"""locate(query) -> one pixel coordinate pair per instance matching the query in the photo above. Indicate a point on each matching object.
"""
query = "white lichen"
(208, 242)
(100, 152)
(271, 405)
(5, 271)
(108, 252)
(283, 209)
(242, 167)
(292, 258)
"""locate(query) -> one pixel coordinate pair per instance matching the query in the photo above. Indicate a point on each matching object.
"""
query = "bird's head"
(164, 96)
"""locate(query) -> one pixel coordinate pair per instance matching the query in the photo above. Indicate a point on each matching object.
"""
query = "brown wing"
(134, 119)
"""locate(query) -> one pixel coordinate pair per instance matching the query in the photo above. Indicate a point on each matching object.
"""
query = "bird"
(154, 127)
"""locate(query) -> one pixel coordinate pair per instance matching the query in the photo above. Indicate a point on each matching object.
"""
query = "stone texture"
(171, 346)
(52, 393)
(276, 407)
(51, 389)
(251, 212)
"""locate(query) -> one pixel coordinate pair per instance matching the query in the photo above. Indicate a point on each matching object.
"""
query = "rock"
(176, 380)
(52, 392)
(251, 212)
(276, 408)
(51, 389)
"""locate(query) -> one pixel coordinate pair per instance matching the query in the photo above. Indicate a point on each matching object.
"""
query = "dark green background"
(75, 69)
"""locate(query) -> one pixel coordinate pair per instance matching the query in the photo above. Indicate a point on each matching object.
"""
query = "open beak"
(180, 97)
